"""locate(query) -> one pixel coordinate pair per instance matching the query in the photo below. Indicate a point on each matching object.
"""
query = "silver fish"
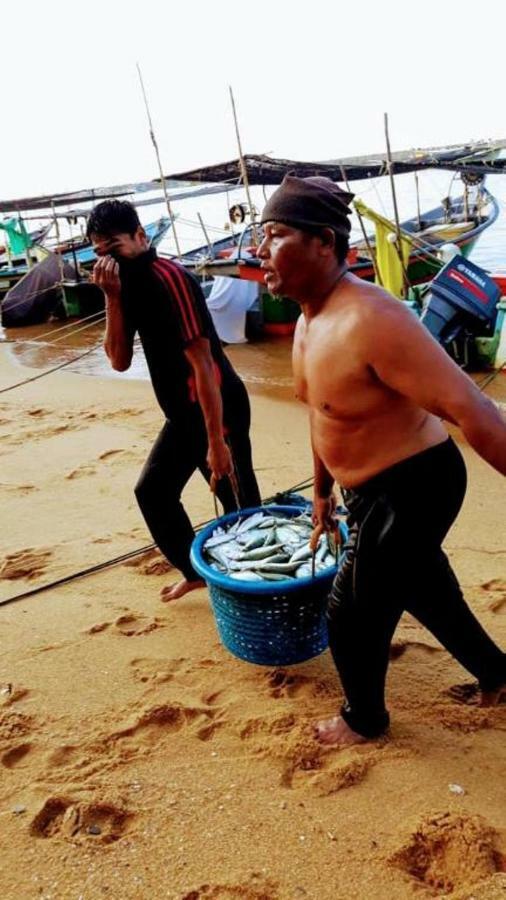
(301, 554)
(218, 539)
(280, 567)
(274, 576)
(251, 522)
(269, 548)
(247, 575)
(261, 552)
(304, 571)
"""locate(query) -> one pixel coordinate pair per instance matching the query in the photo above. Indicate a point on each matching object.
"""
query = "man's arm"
(406, 357)
(219, 458)
(118, 340)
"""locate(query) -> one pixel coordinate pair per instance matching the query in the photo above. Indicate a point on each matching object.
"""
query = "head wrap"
(314, 202)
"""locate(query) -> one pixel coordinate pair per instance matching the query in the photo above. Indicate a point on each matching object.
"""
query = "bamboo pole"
(244, 172)
(58, 240)
(418, 201)
(204, 229)
(157, 152)
(396, 211)
(369, 246)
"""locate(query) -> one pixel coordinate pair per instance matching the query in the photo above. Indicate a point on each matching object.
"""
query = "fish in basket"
(268, 590)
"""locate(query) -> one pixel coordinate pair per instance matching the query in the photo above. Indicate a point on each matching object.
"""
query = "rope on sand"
(49, 371)
(303, 485)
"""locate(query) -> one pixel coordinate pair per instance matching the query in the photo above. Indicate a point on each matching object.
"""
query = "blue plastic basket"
(269, 623)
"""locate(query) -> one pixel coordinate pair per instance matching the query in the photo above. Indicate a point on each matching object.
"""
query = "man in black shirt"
(201, 396)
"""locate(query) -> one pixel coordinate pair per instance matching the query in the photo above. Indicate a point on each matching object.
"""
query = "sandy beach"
(139, 759)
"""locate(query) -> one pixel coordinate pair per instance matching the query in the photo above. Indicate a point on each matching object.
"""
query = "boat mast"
(58, 240)
(371, 250)
(418, 201)
(162, 178)
(204, 229)
(396, 211)
(244, 173)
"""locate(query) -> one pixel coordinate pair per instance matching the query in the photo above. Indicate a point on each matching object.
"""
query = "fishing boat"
(79, 253)
(459, 223)
(42, 291)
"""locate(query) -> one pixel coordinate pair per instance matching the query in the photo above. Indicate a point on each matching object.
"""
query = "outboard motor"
(462, 305)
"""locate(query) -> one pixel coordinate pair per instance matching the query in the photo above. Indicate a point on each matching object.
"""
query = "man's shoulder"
(176, 274)
(370, 301)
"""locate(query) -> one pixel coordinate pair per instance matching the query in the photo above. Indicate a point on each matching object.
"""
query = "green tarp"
(17, 235)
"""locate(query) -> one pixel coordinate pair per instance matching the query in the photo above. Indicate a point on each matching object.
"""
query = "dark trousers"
(180, 449)
(394, 562)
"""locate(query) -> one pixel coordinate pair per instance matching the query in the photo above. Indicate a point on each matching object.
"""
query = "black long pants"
(394, 562)
(179, 450)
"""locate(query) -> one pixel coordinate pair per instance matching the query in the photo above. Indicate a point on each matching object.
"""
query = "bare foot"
(335, 731)
(493, 698)
(174, 591)
(471, 694)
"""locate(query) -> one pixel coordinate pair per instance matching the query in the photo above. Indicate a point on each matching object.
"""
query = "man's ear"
(141, 232)
(328, 240)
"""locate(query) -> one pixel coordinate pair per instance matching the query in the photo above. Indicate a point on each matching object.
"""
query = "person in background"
(203, 400)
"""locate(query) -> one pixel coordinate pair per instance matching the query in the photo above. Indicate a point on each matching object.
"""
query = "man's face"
(120, 246)
(290, 260)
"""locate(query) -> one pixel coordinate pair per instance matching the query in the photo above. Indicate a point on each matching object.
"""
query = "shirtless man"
(377, 387)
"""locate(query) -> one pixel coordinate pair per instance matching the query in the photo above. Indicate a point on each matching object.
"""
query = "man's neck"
(313, 303)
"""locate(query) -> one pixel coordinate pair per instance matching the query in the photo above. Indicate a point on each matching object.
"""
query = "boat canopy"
(476, 159)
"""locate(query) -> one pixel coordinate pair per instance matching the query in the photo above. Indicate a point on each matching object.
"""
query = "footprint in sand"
(13, 757)
(469, 694)
(448, 852)
(497, 587)
(108, 453)
(65, 818)
(14, 725)
(288, 684)
(261, 890)
(154, 723)
(399, 648)
(26, 563)
(96, 629)
(150, 563)
(17, 488)
(129, 625)
(63, 756)
(158, 671)
(464, 713)
(10, 694)
(80, 472)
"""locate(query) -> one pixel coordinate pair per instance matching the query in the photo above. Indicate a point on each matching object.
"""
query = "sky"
(311, 81)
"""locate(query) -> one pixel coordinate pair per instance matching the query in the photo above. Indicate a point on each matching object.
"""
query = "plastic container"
(279, 309)
(267, 623)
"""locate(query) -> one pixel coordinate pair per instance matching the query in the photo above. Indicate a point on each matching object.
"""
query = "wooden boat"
(41, 293)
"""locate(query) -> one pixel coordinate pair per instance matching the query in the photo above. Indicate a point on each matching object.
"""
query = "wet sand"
(140, 759)
(264, 366)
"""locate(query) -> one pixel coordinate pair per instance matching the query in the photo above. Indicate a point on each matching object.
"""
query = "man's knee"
(150, 488)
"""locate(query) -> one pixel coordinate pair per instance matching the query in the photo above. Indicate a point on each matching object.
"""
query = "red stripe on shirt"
(166, 280)
(180, 278)
(183, 300)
